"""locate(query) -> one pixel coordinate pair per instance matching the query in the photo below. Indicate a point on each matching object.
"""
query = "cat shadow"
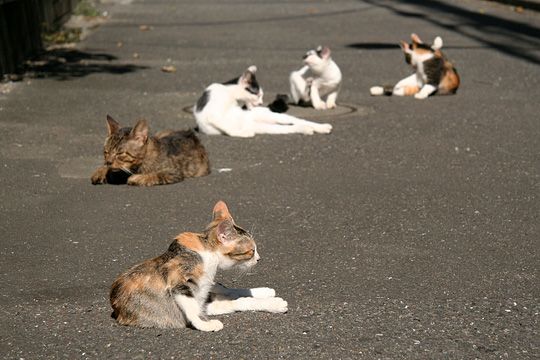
(65, 64)
(117, 177)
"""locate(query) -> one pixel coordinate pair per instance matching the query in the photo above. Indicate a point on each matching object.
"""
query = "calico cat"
(433, 72)
(177, 289)
(234, 109)
(142, 159)
(318, 82)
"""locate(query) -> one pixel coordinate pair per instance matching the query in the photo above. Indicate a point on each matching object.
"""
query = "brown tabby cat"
(175, 289)
(166, 158)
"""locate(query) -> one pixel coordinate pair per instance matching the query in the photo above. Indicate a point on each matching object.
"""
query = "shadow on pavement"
(510, 37)
(65, 64)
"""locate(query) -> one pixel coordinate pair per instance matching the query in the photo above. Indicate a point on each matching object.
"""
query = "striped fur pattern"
(434, 73)
(133, 156)
(177, 289)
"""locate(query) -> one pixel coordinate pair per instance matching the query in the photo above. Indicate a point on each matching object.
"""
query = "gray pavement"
(409, 232)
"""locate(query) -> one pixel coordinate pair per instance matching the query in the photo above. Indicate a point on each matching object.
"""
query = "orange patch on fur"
(421, 51)
(411, 90)
(450, 82)
(190, 240)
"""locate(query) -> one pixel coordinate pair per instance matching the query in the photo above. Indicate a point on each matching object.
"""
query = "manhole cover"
(312, 114)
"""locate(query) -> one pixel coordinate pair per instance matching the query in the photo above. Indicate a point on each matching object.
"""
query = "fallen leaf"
(168, 69)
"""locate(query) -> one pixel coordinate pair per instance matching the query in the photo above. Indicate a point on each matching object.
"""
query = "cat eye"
(125, 157)
(252, 91)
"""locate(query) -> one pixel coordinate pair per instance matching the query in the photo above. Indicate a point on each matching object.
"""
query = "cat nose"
(257, 257)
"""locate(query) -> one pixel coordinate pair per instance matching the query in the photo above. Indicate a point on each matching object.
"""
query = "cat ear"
(221, 211)
(246, 78)
(325, 52)
(112, 125)
(225, 231)
(416, 39)
(404, 45)
(140, 132)
(437, 43)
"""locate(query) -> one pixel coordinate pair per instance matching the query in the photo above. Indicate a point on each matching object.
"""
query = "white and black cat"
(234, 108)
(318, 82)
(433, 72)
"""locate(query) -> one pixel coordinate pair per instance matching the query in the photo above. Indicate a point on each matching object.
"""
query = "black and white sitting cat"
(234, 109)
(318, 82)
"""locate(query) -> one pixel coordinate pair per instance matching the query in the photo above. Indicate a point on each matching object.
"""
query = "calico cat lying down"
(234, 108)
(433, 72)
(177, 289)
(133, 156)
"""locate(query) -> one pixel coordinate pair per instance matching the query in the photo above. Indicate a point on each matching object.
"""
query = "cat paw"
(262, 292)
(324, 129)
(210, 325)
(276, 305)
(99, 176)
(376, 90)
(319, 106)
(331, 105)
(420, 96)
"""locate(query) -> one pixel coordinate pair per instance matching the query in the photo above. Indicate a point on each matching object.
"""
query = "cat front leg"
(156, 178)
(331, 100)
(100, 175)
(425, 91)
(273, 305)
(192, 311)
(299, 85)
(315, 97)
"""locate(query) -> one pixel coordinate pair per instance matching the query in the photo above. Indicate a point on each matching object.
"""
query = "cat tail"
(381, 90)
(280, 104)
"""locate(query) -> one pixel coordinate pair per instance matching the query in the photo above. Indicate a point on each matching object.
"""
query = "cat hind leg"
(192, 311)
(299, 85)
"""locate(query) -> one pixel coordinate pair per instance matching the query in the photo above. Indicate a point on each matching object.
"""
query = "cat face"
(318, 58)
(417, 51)
(252, 93)
(125, 148)
(236, 246)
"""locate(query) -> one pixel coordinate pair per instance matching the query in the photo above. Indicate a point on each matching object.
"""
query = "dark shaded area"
(117, 177)
(530, 5)
(20, 31)
(394, 46)
(507, 36)
(64, 64)
(374, 46)
(279, 105)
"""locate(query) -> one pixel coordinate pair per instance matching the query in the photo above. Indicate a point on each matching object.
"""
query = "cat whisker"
(124, 169)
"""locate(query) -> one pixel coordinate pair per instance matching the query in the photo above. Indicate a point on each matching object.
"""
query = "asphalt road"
(409, 232)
